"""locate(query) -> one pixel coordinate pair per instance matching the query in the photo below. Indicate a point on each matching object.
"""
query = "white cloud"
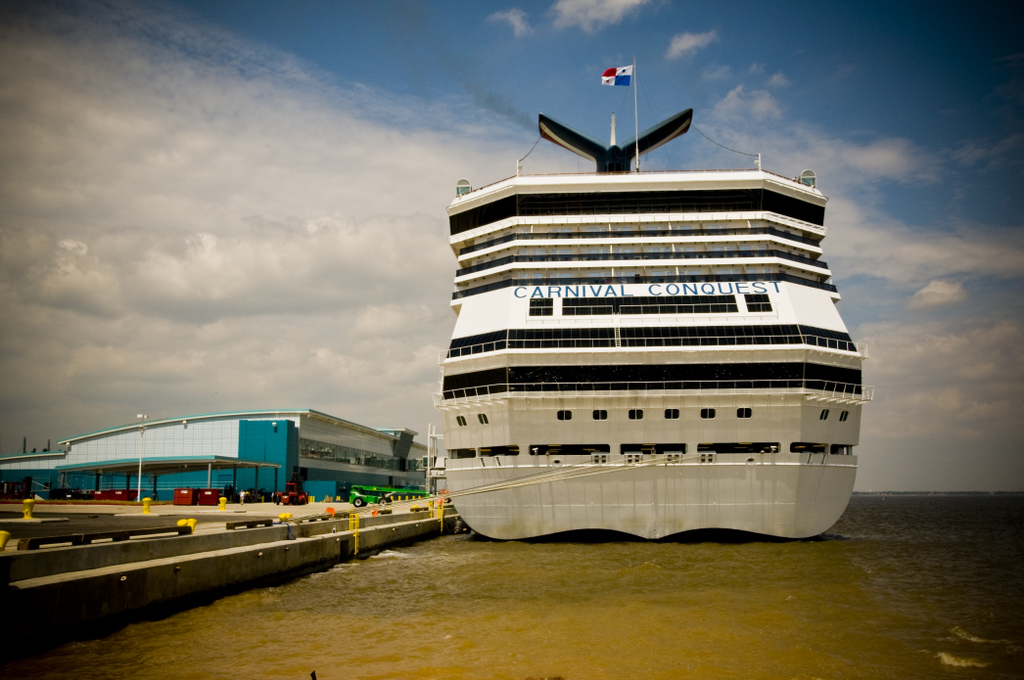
(688, 43)
(938, 293)
(516, 18)
(759, 104)
(946, 409)
(779, 80)
(717, 73)
(593, 15)
(875, 245)
(990, 155)
(190, 224)
(896, 158)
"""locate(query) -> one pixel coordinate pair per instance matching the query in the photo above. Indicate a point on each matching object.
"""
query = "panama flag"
(617, 76)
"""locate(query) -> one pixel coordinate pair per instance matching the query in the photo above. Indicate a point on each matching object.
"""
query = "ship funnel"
(615, 157)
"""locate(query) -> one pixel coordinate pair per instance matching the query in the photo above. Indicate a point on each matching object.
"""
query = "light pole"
(142, 448)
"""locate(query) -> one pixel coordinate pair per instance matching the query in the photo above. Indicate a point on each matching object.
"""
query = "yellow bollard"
(26, 508)
(312, 499)
(191, 523)
(4, 537)
(145, 505)
(222, 502)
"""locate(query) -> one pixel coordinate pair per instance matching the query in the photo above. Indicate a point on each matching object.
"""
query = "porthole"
(743, 413)
(707, 413)
(671, 414)
(636, 414)
(482, 417)
(824, 414)
(564, 415)
(461, 420)
(843, 416)
(600, 415)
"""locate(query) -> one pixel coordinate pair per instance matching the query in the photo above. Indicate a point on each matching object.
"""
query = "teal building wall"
(271, 442)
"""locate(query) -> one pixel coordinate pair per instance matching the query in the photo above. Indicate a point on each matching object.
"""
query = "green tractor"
(361, 496)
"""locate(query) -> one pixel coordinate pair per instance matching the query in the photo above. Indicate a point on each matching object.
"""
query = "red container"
(99, 495)
(209, 496)
(121, 495)
(186, 496)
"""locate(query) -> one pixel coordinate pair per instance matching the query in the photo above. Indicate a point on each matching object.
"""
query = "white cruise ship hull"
(788, 496)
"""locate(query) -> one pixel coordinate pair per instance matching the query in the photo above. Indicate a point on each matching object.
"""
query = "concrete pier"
(52, 593)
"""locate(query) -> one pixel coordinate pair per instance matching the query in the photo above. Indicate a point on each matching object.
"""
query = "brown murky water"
(902, 587)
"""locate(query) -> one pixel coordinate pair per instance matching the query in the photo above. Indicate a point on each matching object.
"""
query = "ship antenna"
(636, 122)
(613, 129)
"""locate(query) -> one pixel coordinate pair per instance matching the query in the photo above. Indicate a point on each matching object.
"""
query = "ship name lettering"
(740, 288)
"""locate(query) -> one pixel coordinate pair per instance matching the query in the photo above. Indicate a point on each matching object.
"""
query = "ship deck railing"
(816, 228)
(826, 391)
(631, 257)
(675, 233)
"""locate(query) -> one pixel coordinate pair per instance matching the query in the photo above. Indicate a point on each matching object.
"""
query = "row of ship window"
(599, 453)
(636, 202)
(638, 414)
(629, 256)
(650, 336)
(665, 304)
(684, 229)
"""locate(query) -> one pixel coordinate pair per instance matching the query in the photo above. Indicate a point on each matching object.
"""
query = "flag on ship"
(617, 76)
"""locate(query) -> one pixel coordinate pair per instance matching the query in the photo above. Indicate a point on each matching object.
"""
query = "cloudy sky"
(240, 205)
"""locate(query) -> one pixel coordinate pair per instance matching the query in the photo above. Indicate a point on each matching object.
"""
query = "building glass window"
(671, 414)
(482, 417)
(707, 413)
(843, 416)
(461, 420)
(636, 414)
(600, 414)
(824, 414)
(743, 413)
(564, 415)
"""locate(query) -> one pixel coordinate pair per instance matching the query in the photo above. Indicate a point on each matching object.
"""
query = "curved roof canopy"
(166, 466)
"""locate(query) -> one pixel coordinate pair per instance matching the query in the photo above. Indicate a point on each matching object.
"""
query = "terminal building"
(252, 451)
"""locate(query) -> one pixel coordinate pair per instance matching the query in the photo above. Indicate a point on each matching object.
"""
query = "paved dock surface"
(89, 518)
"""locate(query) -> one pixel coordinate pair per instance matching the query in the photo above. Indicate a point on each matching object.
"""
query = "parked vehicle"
(361, 496)
(292, 495)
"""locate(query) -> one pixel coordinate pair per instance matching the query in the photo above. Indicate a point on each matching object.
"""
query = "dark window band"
(653, 376)
(658, 336)
(666, 304)
(636, 202)
(625, 257)
(633, 234)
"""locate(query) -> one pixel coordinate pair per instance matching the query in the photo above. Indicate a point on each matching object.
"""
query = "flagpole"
(636, 122)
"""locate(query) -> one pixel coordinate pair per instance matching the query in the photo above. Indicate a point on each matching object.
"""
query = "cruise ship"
(647, 352)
